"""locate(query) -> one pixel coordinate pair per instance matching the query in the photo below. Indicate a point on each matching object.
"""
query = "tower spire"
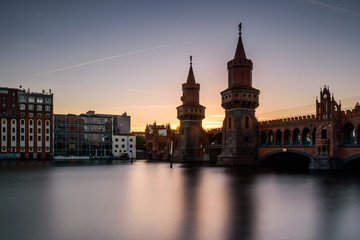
(240, 52)
(191, 77)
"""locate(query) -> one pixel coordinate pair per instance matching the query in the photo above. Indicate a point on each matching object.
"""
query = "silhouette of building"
(240, 99)
(158, 140)
(26, 124)
(190, 114)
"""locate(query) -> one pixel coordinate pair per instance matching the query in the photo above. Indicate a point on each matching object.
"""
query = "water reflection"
(152, 201)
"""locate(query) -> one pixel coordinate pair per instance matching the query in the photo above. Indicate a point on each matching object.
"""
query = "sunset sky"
(133, 56)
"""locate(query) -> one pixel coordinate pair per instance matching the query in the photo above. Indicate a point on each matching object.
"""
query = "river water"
(151, 201)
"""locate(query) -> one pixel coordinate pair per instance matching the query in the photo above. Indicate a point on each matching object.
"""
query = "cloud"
(105, 59)
(333, 7)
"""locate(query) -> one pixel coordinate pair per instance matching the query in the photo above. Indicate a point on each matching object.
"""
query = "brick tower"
(240, 127)
(190, 114)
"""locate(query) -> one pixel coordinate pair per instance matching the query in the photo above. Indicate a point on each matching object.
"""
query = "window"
(123, 146)
(22, 130)
(31, 99)
(39, 138)
(22, 98)
(116, 146)
(13, 138)
(131, 140)
(47, 131)
(39, 122)
(47, 138)
(31, 114)
(31, 122)
(116, 139)
(131, 145)
(22, 122)
(4, 105)
(30, 138)
(4, 138)
(247, 122)
(39, 107)
(48, 100)
(31, 107)
(47, 108)
(13, 130)
(30, 130)
(39, 100)
(39, 130)
(22, 138)
(22, 106)
(13, 105)
(47, 123)
(4, 129)
(123, 140)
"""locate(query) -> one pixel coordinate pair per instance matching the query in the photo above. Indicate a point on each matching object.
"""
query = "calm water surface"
(152, 201)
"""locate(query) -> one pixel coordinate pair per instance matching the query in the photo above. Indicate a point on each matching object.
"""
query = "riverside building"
(90, 134)
(26, 124)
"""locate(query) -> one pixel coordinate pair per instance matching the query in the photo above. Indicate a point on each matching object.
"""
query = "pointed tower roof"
(240, 52)
(191, 78)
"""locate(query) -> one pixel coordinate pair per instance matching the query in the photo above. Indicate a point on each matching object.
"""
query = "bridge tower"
(240, 99)
(328, 131)
(190, 114)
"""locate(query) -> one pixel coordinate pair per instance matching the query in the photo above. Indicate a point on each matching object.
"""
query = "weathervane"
(240, 29)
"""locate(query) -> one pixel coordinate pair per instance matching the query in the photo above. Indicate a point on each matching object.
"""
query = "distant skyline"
(133, 56)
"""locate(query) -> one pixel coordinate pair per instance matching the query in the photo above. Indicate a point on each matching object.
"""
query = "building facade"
(190, 114)
(158, 140)
(26, 124)
(124, 146)
(87, 135)
(240, 99)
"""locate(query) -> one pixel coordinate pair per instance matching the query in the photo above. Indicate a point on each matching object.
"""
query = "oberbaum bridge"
(329, 139)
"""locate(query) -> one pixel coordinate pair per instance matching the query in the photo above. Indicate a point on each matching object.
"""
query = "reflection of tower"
(190, 114)
(240, 127)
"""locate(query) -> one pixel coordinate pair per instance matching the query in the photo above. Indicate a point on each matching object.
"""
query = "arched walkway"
(296, 137)
(278, 136)
(306, 137)
(349, 134)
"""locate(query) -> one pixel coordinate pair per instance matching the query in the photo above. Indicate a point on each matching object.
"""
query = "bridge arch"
(296, 136)
(349, 133)
(271, 138)
(278, 137)
(306, 136)
(290, 157)
(353, 161)
(287, 137)
(262, 138)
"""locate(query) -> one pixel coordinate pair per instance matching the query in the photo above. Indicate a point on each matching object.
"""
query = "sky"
(133, 56)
